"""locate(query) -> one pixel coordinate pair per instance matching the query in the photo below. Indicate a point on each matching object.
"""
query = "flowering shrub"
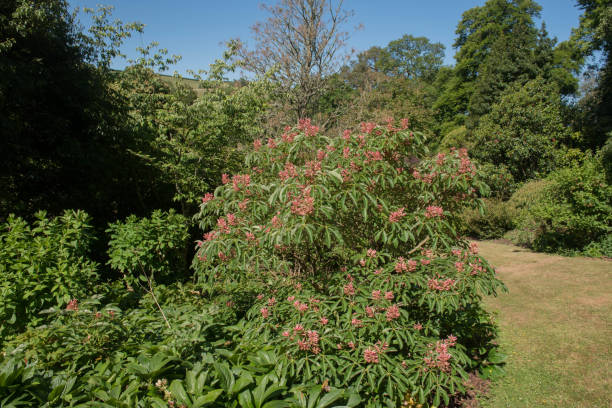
(364, 281)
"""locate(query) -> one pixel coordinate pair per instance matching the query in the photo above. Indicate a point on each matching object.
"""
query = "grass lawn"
(556, 328)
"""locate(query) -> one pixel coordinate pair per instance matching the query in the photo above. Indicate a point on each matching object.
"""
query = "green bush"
(43, 265)
(152, 246)
(499, 179)
(456, 138)
(573, 210)
(525, 197)
(497, 218)
(353, 243)
(606, 159)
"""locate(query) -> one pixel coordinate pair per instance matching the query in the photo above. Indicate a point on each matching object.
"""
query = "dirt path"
(556, 327)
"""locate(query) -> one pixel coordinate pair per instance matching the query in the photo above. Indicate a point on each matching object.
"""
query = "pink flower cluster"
(240, 180)
(439, 356)
(300, 307)
(370, 355)
(432, 211)
(367, 127)
(440, 159)
(393, 312)
(397, 215)
(207, 197)
(309, 340)
(304, 204)
(306, 126)
(371, 253)
(288, 172)
(73, 305)
(349, 289)
(312, 169)
(374, 156)
(441, 285)
(402, 266)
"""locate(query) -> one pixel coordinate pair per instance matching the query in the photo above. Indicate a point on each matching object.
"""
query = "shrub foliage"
(42, 265)
(353, 242)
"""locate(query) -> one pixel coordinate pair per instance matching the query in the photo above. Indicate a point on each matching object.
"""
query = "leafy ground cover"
(555, 326)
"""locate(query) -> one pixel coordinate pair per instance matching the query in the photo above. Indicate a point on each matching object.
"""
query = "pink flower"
(290, 298)
(378, 271)
(400, 265)
(271, 301)
(242, 205)
(371, 253)
(412, 265)
(288, 172)
(225, 178)
(425, 261)
(276, 223)
(349, 289)
(474, 248)
(392, 312)
(356, 322)
(257, 144)
(321, 155)
(240, 181)
(362, 262)
(432, 211)
(376, 294)
(389, 295)
(451, 340)
(397, 215)
(301, 307)
(351, 345)
(207, 197)
(305, 125)
(440, 160)
(303, 345)
(260, 296)
(73, 305)
(441, 285)
(346, 152)
(459, 266)
(417, 326)
(264, 312)
(369, 311)
(324, 321)
(346, 135)
(285, 333)
(370, 356)
(271, 143)
(298, 328)
(313, 337)
(367, 127)
(374, 156)
(304, 204)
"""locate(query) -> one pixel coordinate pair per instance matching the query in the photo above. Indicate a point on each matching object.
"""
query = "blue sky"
(196, 29)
